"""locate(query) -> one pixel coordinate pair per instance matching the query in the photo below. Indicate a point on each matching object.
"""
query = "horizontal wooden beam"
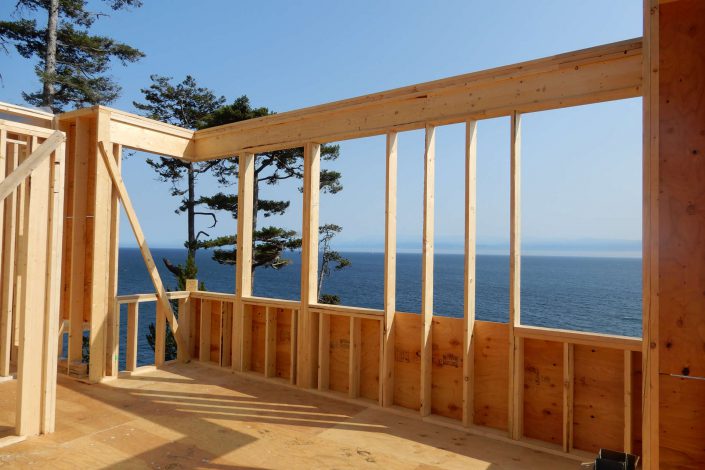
(579, 337)
(602, 73)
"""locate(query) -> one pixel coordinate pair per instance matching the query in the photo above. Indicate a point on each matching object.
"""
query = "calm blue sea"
(588, 294)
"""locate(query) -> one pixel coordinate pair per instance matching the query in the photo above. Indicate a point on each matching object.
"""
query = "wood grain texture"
(407, 360)
(682, 423)
(543, 391)
(491, 374)
(283, 351)
(259, 328)
(598, 399)
(370, 358)
(447, 389)
(339, 353)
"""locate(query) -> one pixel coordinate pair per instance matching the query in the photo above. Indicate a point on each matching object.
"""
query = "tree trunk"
(190, 211)
(48, 90)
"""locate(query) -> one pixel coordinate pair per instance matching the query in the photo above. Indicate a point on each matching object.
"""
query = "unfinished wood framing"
(516, 346)
(469, 273)
(243, 266)
(427, 271)
(571, 391)
(390, 271)
(308, 321)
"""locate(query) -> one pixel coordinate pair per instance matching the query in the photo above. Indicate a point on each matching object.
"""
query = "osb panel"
(598, 410)
(369, 358)
(447, 369)
(682, 436)
(258, 331)
(491, 374)
(407, 360)
(681, 192)
(543, 390)
(216, 312)
(283, 354)
(339, 353)
(636, 403)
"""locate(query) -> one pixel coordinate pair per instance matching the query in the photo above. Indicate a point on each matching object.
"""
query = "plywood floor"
(194, 416)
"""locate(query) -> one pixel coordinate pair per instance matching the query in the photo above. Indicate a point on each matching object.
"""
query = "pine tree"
(72, 63)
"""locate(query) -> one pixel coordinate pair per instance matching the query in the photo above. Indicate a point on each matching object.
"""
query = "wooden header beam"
(602, 73)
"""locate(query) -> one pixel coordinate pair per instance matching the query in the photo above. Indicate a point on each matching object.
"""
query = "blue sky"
(581, 166)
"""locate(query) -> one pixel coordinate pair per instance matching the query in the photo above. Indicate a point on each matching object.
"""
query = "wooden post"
(516, 357)
(427, 271)
(186, 318)
(628, 434)
(53, 289)
(159, 335)
(99, 269)
(113, 347)
(390, 273)
(294, 346)
(76, 302)
(33, 302)
(354, 359)
(469, 286)
(270, 343)
(144, 249)
(308, 325)
(568, 387)
(133, 319)
(650, 236)
(8, 265)
(243, 266)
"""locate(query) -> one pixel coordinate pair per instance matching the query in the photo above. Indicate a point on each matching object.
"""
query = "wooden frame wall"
(330, 347)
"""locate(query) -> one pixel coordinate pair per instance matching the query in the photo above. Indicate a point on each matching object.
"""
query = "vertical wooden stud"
(247, 338)
(324, 351)
(113, 348)
(308, 321)
(53, 288)
(99, 269)
(516, 350)
(159, 335)
(8, 263)
(427, 271)
(78, 240)
(33, 301)
(204, 344)
(469, 285)
(650, 235)
(292, 351)
(226, 353)
(186, 318)
(390, 272)
(132, 329)
(270, 343)
(243, 266)
(355, 352)
(628, 434)
(568, 387)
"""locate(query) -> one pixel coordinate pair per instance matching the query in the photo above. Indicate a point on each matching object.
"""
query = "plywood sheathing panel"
(447, 371)
(339, 353)
(259, 323)
(543, 390)
(598, 415)
(370, 359)
(682, 422)
(682, 192)
(283, 354)
(491, 374)
(407, 360)
(215, 339)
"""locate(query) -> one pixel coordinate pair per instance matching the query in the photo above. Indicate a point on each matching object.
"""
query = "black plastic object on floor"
(613, 460)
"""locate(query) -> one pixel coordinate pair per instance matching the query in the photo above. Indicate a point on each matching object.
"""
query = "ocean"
(581, 293)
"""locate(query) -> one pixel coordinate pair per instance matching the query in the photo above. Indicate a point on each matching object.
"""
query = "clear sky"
(581, 166)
